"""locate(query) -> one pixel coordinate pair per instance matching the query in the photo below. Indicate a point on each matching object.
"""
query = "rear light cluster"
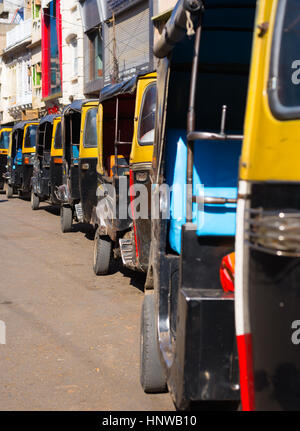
(28, 160)
(275, 232)
(227, 270)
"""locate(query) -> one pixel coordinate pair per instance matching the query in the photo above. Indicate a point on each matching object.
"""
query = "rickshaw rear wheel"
(66, 218)
(8, 190)
(104, 262)
(152, 377)
(35, 201)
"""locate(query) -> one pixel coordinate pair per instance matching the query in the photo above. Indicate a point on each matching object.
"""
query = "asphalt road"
(72, 338)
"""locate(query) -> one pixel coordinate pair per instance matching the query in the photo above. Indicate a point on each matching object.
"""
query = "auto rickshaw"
(267, 238)
(187, 342)
(126, 131)
(47, 170)
(20, 158)
(77, 194)
(4, 144)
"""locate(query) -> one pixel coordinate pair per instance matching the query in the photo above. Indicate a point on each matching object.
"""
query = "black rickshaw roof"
(48, 118)
(176, 27)
(125, 87)
(22, 124)
(76, 106)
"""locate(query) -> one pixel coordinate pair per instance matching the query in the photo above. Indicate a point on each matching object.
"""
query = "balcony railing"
(18, 34)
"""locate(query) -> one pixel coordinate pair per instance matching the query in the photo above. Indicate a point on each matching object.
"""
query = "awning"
(176, 27)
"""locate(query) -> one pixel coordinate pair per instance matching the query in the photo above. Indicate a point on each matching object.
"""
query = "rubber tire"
(66, 218)
(9, 191)
(35, 201)
(104, 262)
(152, 377)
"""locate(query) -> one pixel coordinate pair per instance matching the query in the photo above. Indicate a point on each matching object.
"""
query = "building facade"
(16, 84)
(35, 48)
(72, 52)
(51, 27)
(58, 51)
(94, 14)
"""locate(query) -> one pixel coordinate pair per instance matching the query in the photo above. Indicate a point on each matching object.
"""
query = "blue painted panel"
(215, 174)
(18, 157)
(75, 150)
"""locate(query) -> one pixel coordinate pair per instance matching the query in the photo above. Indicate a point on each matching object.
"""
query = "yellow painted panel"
(55, 152)
(141, 153)
(271, 148)
(5, 129)
(86, 153)
(100, 168)
(28, 150)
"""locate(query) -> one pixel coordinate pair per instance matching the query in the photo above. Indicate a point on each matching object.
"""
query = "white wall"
(72, 84)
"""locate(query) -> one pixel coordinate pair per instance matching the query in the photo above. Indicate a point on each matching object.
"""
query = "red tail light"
(227, 270)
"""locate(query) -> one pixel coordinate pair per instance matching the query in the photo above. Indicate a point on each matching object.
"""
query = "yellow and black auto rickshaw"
(79, 142)
(188, 343)
(47, 169)
(126, 131)
(4, 144)
(267, 274)
(20, 158)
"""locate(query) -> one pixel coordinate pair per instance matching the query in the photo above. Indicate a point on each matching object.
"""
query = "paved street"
(72, 339)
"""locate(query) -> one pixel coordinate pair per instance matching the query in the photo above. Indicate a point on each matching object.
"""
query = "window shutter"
(132, 30)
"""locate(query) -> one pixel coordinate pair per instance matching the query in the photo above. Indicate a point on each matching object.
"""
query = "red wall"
(46, 78)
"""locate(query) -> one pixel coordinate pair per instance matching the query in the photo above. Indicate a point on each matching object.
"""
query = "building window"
(29, 88)
(95, 54)
(36, 75)
(36, 7)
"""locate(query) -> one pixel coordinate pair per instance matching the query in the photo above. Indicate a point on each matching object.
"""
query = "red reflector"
(244, 345)
(227, 270)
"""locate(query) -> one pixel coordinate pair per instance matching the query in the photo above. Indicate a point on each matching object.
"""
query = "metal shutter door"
(132, 30)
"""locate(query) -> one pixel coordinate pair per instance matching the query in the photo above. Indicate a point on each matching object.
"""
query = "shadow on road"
(52, 209)
(3, 200)
(87, 229)
(137, 279)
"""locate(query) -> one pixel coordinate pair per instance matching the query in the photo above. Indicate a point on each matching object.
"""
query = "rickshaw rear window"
(90, 129)
(4, 140)
(147, 118)
(30, 138)
(284, 86)
(57, 139)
